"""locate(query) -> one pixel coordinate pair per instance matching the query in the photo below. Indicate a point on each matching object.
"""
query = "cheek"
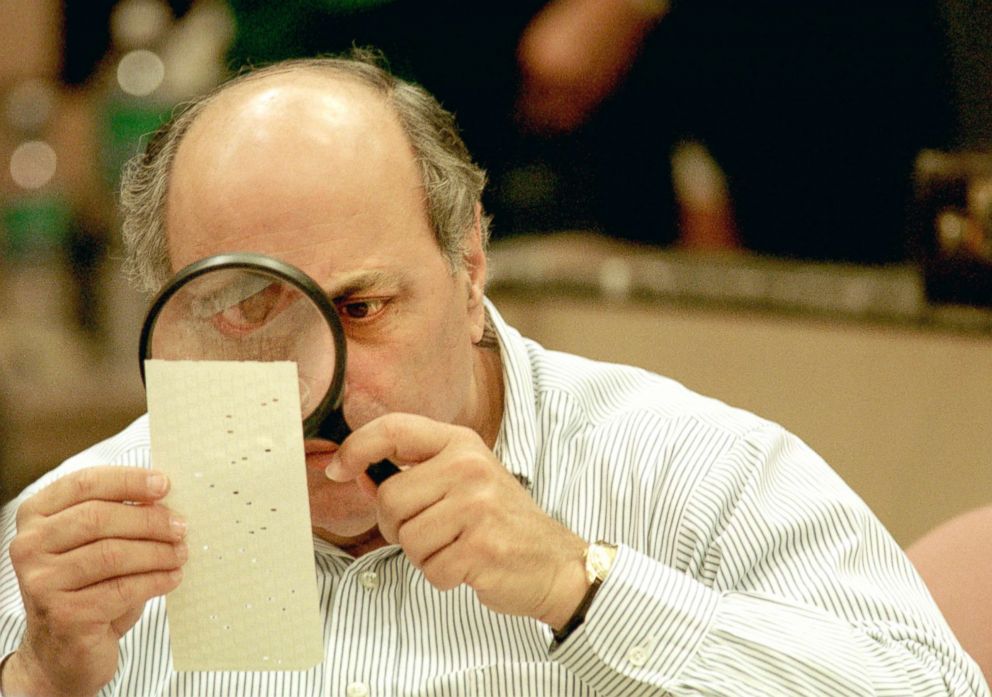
(395, 379)
(374, 381)
(425, 377)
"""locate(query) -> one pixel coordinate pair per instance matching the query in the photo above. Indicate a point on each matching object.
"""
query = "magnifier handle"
(381, 471)
(336, 430)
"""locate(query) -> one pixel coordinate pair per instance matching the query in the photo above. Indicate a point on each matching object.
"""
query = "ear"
(475, 267)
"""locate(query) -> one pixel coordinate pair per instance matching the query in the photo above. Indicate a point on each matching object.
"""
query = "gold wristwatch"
(599, 558)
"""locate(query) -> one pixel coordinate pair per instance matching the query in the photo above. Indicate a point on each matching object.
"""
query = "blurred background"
(785, 205)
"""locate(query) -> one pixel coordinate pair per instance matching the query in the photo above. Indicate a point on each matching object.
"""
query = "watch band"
(598, 559)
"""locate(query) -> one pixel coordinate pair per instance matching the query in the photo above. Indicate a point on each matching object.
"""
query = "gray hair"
(452, 182)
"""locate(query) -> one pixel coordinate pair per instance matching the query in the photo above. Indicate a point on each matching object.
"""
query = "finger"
(108, 559)
(412, 492)
(427, 534)
(405, 439)
(94, 520)
(463, 469)
(109, 483)
(446, 569)
(117, 597)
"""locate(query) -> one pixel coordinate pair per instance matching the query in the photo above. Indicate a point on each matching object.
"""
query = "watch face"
(599, 559)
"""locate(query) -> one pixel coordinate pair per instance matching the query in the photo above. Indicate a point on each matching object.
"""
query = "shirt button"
(369, 580)
(638, 656)
(357, 689)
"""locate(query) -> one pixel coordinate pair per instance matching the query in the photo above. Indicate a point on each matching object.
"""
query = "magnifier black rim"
(273, 267)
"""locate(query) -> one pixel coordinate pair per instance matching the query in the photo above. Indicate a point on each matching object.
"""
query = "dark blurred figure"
(969, 26)
(814, 110)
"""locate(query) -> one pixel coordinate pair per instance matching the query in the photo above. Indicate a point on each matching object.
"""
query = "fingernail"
(179, 527)
(333, 470)
(157, 484)
(182, 552)
(176, 575)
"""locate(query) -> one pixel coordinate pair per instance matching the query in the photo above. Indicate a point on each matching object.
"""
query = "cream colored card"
(229, 436)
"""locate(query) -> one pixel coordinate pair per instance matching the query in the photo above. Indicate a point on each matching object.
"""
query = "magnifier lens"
(246, 314)
(250, 307)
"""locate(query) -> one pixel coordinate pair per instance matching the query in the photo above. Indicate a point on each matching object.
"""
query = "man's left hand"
(461, 517)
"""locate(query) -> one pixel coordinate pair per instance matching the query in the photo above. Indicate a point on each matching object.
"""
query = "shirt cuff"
(643, 626)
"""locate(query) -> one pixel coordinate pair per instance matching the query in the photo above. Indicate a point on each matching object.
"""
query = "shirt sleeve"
(784, 584)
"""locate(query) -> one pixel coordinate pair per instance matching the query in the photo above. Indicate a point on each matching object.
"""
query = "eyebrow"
(356, 282)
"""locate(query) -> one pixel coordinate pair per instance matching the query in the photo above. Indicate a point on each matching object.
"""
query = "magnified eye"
(253, 312)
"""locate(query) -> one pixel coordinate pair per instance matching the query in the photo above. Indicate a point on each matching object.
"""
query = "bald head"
(304, 115)
(309, 123)
(293, 111)
(270, 151)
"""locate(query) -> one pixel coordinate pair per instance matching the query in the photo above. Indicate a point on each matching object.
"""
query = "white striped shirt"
(746, 567)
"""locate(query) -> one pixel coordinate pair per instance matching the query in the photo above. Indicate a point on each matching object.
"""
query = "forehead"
(284, 164)
(293, 124)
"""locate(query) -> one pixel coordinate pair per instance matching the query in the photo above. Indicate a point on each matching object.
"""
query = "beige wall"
(905, 416)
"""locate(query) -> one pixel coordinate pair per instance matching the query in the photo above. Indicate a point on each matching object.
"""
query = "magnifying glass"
(251, 307)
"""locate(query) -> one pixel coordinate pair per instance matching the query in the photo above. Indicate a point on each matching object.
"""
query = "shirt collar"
(516, 442)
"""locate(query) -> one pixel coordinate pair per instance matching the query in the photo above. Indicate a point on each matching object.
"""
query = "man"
(731, 558)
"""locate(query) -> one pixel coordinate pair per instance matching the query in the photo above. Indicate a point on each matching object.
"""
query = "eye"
(254, 312)
(361, 309)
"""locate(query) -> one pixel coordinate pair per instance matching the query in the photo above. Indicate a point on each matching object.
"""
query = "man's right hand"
(91, 549)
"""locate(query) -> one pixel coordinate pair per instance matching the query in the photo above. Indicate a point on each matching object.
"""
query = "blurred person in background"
(784, 128)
